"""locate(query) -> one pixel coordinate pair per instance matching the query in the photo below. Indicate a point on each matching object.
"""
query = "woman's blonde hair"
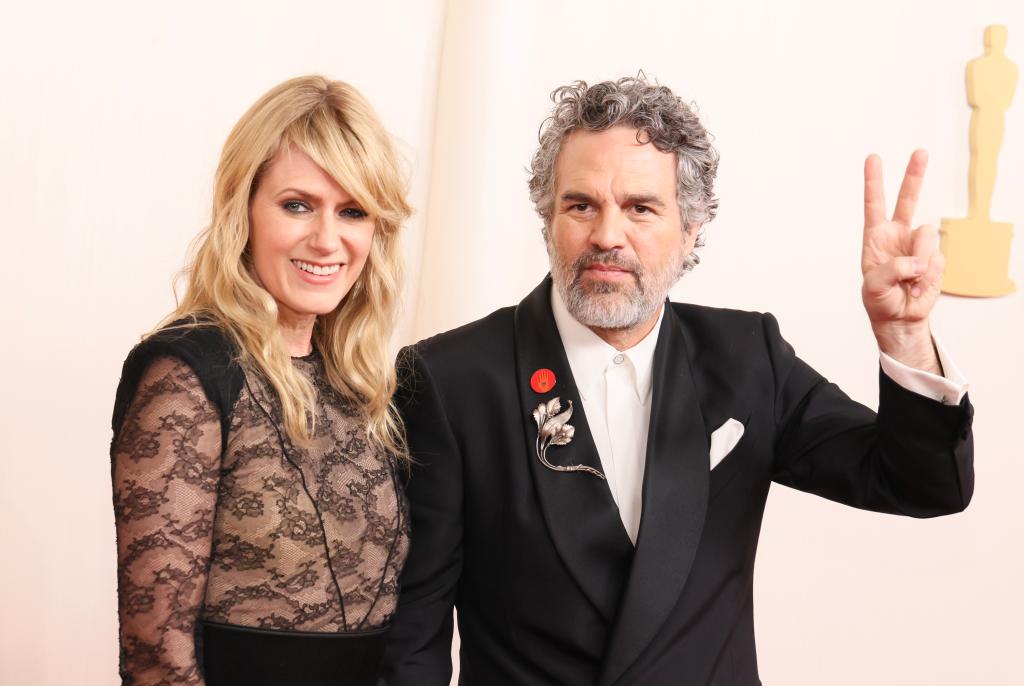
(332, 123)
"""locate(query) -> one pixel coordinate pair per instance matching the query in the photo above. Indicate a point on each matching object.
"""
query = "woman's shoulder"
(191, 337)
(201, 344)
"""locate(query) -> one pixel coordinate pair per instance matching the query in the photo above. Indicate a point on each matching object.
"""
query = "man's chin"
(601, 288)
(607, 300)
(609, 310)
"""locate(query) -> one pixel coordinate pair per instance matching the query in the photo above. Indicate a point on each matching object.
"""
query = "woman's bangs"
(339, 153)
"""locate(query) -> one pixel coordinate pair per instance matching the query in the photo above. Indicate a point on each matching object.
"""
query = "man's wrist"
(910, 345)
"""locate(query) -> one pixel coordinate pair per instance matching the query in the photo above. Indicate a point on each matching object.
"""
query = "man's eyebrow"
(645, 199)
(577, 196)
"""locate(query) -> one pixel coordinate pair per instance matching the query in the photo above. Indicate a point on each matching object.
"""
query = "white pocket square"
(724, 439)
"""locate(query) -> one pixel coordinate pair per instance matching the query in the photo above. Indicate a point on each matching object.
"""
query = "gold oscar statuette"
(977, 249)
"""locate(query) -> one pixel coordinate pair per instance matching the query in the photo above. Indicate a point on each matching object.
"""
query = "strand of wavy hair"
(353, 339)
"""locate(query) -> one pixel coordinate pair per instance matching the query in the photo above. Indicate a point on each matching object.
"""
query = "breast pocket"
(727, 453)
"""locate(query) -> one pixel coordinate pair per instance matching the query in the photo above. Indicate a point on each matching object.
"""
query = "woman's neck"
(297, 331)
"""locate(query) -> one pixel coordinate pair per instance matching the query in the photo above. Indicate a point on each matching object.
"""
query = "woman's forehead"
(291, 167)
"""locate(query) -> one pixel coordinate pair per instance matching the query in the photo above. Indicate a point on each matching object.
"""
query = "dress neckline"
(309, 357)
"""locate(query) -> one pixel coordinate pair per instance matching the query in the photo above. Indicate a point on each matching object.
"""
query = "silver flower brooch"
(553, 428)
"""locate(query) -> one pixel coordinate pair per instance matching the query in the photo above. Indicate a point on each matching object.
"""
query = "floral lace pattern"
(271, 536)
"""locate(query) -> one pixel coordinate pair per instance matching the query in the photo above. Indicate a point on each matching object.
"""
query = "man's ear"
(690, 237)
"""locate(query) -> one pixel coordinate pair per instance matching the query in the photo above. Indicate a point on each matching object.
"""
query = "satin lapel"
(674, 503)
(578, 509)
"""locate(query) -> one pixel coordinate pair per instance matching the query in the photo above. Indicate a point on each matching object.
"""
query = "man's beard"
(612, 305)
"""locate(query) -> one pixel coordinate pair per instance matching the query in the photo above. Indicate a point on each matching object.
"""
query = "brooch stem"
(553, 429)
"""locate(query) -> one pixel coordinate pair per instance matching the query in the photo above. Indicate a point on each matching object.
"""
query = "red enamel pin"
(542, 381)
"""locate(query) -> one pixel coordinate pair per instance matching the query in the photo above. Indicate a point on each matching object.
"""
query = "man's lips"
(606, 270)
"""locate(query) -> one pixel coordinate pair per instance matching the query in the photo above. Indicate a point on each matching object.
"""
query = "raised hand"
(902, 267)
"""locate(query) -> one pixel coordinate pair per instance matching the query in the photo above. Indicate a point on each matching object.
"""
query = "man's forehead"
(613, 156)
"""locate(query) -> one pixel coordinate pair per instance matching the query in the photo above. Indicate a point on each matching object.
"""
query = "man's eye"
(581, 206)
(353, 213)
(642, 209)
(295, 207)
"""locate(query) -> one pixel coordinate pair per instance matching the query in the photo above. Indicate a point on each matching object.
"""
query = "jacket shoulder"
(703, 317)
(727, 334)
(481, 338)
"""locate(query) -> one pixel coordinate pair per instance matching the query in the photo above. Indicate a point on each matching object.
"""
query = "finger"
(923, 244)
(874, 192)
(931, 279)
(910, 189)
(891, 274)
(936, 265)
(924, 241)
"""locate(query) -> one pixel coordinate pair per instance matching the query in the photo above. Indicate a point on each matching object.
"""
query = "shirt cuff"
(948, 390)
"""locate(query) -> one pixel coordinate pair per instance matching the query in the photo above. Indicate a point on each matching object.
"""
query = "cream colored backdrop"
(111, 125)
(111, 119)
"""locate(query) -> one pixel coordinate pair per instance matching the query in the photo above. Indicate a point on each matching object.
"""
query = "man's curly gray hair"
(659, 116)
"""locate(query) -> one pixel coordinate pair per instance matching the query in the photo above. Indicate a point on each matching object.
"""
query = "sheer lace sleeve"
(166, 464)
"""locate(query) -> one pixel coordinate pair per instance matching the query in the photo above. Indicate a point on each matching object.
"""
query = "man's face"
(615, 240)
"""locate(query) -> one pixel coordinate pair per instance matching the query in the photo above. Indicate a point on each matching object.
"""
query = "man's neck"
(624, 339)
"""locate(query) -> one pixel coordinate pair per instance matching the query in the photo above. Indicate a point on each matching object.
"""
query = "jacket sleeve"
(915, 457)
(419, 644)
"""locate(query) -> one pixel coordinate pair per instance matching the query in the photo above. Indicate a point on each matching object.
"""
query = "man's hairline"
(549, 217)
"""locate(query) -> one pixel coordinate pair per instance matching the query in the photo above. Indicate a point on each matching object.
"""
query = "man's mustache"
(611, 258)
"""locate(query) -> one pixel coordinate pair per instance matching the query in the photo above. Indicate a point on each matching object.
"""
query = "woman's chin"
(309, 307)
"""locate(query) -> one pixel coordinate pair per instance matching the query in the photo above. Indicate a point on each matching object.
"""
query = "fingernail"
(920, 264)
(915, 292)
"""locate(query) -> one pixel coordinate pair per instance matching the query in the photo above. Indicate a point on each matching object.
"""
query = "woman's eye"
(353, 213)
(295, 207)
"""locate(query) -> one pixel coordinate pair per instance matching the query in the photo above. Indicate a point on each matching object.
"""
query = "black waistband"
(235, 655)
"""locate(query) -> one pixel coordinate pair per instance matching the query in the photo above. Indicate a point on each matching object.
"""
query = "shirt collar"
(589, 355)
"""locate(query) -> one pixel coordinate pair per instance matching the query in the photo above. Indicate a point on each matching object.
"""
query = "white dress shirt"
(616, 387)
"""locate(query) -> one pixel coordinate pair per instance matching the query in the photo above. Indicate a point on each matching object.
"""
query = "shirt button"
(618, 358)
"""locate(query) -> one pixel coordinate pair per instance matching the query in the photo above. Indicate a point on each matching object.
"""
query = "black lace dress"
(241, 557)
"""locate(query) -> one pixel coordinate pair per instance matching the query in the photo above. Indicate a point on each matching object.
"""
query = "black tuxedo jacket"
(548, 587)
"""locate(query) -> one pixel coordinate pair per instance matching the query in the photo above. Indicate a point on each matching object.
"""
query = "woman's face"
(308, 239)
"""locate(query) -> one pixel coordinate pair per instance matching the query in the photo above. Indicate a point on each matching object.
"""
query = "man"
(591, 466)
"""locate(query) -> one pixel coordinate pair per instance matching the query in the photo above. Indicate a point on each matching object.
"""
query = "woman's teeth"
(316, 269)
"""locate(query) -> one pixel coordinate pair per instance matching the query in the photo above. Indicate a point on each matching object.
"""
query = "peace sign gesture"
(902, 267)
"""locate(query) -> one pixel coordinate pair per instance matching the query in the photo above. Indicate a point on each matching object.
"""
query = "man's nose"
(609, 231)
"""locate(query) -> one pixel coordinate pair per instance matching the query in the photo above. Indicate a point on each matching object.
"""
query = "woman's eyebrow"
(306, 195)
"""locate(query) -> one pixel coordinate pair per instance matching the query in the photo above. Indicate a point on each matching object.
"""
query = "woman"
(261, 527)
